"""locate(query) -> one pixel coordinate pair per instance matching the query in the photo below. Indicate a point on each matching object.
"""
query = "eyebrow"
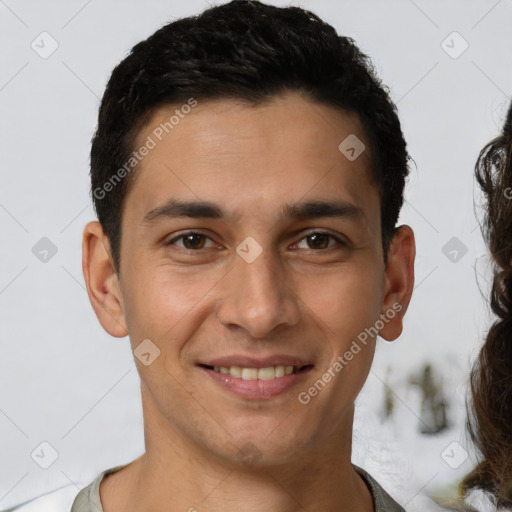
(175, 208)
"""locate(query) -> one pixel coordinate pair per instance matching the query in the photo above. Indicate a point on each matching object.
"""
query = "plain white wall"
(66, 382)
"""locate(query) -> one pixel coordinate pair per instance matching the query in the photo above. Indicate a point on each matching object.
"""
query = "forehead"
(254, 156)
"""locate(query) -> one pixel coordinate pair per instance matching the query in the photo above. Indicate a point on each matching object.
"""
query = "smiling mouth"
(266, 373)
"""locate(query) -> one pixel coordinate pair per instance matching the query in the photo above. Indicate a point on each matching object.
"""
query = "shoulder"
(73, 497)
(382, 500)
(56, 501)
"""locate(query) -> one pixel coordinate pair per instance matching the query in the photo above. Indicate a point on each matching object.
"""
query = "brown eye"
(191, 241)
(320, 241)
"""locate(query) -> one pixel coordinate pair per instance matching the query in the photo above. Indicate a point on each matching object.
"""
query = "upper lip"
(257, 362)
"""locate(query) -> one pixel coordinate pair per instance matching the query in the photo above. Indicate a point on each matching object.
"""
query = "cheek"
(346, 301)
(160, 302)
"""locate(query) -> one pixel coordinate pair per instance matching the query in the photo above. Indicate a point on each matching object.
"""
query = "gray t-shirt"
(88, 499)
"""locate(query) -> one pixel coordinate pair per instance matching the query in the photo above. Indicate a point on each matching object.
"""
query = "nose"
(258, 298)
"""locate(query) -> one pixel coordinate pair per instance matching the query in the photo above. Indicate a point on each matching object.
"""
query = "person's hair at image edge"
(250, 52)
(490, 418)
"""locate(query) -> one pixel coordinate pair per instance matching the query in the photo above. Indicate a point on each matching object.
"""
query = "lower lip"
(257, 389)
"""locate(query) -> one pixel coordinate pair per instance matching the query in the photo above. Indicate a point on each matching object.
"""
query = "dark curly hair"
(249, 51)
(490, 419)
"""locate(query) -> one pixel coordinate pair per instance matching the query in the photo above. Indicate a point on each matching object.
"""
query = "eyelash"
(188, 233)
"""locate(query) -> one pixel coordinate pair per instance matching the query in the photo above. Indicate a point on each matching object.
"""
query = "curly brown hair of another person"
(490, 412)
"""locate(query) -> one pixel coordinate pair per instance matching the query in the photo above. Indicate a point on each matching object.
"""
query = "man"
(247, 172)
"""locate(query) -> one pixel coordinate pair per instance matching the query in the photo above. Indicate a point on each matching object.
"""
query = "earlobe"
(399, 282)
(101, 280)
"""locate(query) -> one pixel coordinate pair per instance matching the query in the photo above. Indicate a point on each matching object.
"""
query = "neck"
(179, 473)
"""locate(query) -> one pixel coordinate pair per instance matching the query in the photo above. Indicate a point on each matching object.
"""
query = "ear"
(399, 282)
(101, 280)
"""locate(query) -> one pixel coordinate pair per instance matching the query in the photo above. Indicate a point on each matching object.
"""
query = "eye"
(192, 241)
(319, 240)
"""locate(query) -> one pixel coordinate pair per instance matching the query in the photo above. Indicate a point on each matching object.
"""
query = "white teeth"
(249, 373)
(280, 371)
(236, 371)
(267, 373)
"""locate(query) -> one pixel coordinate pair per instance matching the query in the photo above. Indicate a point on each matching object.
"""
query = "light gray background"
(66, 382)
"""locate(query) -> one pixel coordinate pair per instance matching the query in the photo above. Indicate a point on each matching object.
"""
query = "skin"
(296, 298)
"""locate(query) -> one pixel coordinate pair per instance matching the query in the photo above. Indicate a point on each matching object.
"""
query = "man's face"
(255, 278)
